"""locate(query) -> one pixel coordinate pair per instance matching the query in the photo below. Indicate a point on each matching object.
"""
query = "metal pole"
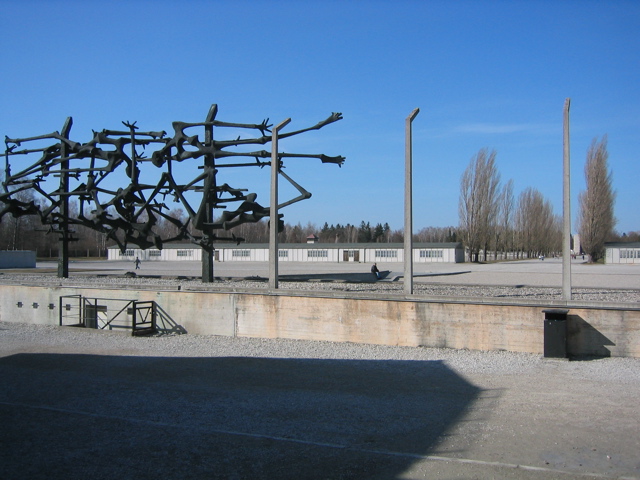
(566, 210)
(408, 206)
(208, 254)
(273, 209)
(135, 174)
(63, 244)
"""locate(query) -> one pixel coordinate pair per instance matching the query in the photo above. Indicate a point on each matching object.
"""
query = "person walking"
(137, 263)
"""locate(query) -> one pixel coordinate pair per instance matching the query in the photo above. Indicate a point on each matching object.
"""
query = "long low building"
(17, 259)
(622, 252)
(299, 252)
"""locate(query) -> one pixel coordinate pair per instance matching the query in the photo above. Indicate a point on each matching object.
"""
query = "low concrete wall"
(17, 259)
(594, 328)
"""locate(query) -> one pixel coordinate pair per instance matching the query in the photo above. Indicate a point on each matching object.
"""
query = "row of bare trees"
(493, 224)
(27, 233)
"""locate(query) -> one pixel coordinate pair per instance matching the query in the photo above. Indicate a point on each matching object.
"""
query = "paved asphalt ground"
(547, 273)
(86, 409)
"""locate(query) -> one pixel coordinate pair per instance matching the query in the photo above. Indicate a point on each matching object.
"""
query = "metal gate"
(108, 314)
(71, 311)
(144, 318)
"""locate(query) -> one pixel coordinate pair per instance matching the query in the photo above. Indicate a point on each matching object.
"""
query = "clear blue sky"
(483, 73)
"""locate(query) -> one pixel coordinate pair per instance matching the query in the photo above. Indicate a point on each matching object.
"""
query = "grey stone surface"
(79, 403)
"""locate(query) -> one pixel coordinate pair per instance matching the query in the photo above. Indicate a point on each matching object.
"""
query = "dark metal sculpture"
(129, 215)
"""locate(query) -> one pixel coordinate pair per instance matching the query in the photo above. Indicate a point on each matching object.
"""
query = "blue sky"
(489, 74)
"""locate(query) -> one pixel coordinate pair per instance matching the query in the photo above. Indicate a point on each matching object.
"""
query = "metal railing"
(109, 314)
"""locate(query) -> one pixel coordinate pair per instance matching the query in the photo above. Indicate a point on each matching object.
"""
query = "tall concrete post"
(63, 244)
(273, 208)
(566, 210)
(408, 205)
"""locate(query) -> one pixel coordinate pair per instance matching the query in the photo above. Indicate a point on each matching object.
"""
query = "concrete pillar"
(273, 208)
(566, 210)
(408, 205)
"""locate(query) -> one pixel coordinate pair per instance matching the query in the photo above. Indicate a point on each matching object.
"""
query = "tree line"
(27, 233)
(493, 223)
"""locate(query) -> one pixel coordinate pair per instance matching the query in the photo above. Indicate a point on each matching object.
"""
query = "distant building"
(622, 252)
(577, 245)
(299, 252)
(17, 259)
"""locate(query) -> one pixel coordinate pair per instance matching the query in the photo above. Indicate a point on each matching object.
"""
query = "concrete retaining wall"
(594, 328)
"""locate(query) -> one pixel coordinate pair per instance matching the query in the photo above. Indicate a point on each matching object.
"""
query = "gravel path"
(16, 337)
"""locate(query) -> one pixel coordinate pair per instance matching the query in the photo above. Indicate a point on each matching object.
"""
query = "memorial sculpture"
(130, 213)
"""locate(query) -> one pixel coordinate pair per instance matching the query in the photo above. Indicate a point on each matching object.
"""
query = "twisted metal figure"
(131, 213)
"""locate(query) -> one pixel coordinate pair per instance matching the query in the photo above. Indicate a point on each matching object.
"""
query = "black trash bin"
(555, 333)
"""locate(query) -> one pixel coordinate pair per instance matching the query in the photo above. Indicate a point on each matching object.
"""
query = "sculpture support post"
(209, 163)
(273, 209)
(566, 210)
(408, 206)
(63, 244)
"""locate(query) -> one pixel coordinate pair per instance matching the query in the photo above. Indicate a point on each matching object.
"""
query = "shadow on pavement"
(357, 277)
(91, 416)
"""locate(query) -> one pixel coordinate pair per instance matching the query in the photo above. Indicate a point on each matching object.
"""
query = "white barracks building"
(299, 252)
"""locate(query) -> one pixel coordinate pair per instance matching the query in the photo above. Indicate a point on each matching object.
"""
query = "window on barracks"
(431, 253)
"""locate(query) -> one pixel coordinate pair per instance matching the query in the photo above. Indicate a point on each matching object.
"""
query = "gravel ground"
(81, 403)
(384, 287)
(16, 336)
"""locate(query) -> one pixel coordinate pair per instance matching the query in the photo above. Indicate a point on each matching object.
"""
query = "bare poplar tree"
(479, 202)
(596, 219)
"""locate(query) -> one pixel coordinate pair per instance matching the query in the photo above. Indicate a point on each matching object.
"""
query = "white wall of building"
(190, 252)
(357, 253)
(622, 253)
